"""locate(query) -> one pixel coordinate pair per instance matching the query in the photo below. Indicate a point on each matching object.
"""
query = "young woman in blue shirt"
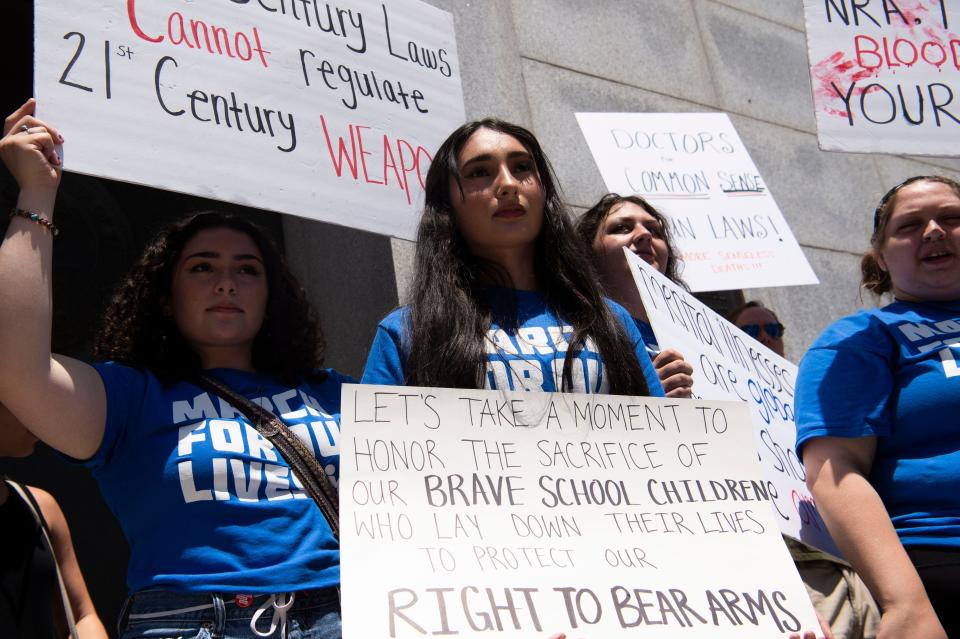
(877, 399)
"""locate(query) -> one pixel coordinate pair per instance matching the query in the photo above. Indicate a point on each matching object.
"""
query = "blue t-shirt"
(205, 501)
(893, 373)
(531, 359)
(649, 338)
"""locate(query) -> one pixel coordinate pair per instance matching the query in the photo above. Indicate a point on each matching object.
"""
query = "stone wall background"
(537, 62)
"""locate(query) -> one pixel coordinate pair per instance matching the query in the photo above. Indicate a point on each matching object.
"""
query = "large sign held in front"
(516, 514)
(729, 364)
(694, 168)
(325, 111)
(886, 75)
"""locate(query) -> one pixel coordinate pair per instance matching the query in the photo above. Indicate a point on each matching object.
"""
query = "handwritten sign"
(695, 170)
(886, 75)
(729, 364)
(330, 111)
(517, 514)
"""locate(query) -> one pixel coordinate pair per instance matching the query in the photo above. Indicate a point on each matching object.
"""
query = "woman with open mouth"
(877, 401)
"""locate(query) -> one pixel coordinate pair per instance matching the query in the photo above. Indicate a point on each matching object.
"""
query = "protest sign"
(517, 514)
(885, 75)
(330, 111)
(695, 170)
(729, 364)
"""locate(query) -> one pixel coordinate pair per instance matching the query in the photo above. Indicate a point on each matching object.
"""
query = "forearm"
(861, 526)
(90, 627)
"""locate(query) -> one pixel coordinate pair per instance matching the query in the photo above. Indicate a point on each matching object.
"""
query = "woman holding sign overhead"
(223, 538)
(617, 222)
(877, 402)
(503, 296)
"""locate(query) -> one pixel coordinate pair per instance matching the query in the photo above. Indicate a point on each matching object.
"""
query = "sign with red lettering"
(886, 75)
(693, 168)
(730, 365)
(516, 515)
(330, 111)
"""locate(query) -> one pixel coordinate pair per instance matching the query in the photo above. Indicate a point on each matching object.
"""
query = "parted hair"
(450, 309)
(139, 330)
(873, 278)
(590, 222)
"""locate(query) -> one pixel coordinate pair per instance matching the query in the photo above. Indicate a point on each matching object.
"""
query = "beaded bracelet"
(35, 217)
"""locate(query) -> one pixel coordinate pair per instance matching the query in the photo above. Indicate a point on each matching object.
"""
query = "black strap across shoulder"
(301, 460)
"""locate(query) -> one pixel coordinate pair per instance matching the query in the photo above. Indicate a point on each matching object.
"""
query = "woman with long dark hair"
(877, 401)
(503, 296)
(616, 222)
(222, 536)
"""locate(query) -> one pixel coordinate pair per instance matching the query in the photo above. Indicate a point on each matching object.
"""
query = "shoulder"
(117, 373)
(619, 312)
(329, 378)
(615, 307)
(865, 329)
(49, 508)
(396, 320)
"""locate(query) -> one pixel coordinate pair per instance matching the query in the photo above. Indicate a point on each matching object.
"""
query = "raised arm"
(60, 399)
(837, 470)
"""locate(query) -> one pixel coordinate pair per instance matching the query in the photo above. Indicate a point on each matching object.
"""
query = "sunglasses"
(774, 330)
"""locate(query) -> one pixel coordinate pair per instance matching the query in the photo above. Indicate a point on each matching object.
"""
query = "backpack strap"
(34, 508)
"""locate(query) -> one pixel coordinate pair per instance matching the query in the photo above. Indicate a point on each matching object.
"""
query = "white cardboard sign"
(885, 75)
(694, 168)
(729, 364)
(327, 111)
(516, 515)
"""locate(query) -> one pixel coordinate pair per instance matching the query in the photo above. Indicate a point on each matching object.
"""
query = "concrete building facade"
(537, 62)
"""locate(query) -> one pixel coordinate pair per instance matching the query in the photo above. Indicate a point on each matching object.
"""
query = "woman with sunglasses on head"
(223, 539)
(503, 295)
(760, 323)
(877, 401)
(617, 222)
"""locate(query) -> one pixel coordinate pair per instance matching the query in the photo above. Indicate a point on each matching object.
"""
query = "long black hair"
(138, 330)
(449, 310)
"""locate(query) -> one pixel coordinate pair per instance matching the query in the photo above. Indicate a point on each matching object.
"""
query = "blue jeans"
(158, 614)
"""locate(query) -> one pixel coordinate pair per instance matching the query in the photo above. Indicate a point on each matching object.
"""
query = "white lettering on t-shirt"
(187, 485)
(201, 407)
(534, 338)
(247, 485)
(327, 434)
(279, 485)
(221, 429)
(226, 435)
(916, 332)
(260, 447)
(499, 341)
(220, 491)
(558, 335)
(527, 373)
(949, 357)
(280, 400)
(188, 435)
